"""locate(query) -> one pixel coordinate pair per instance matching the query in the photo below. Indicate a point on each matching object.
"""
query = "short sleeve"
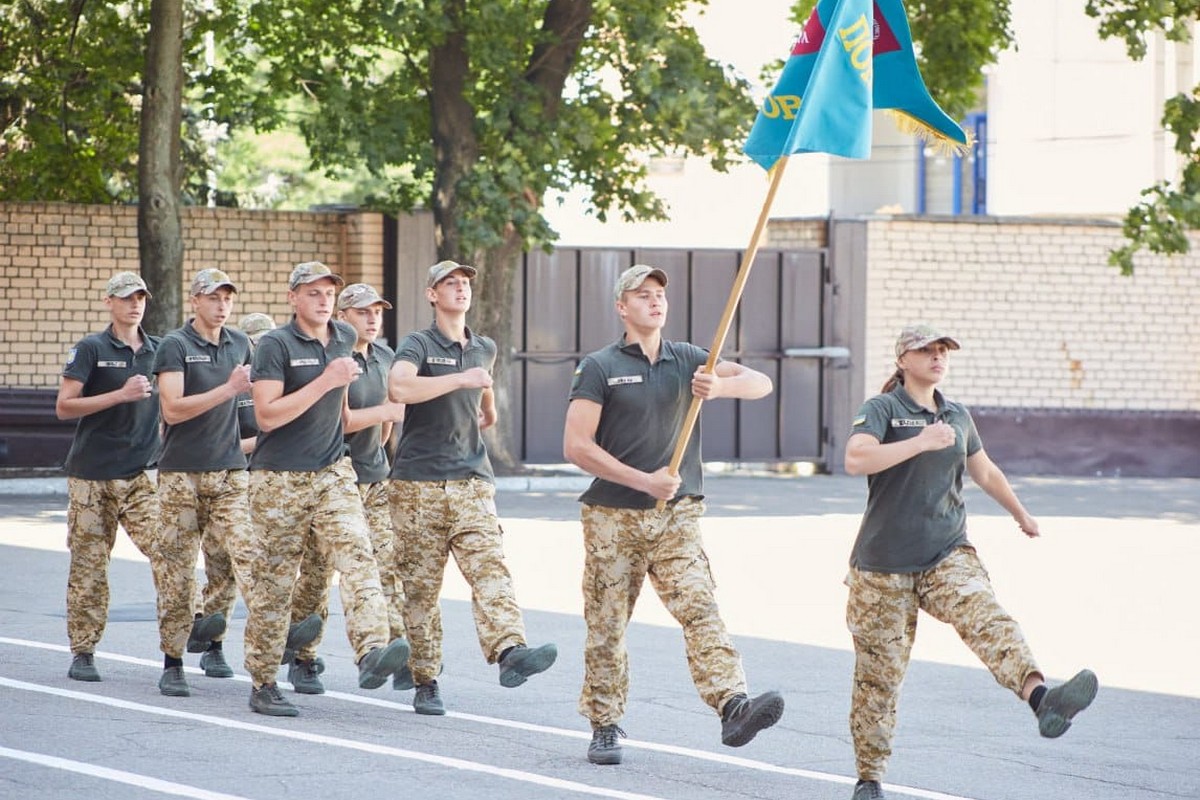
(974, 443)
(588, 381)
(169, 357)
(872, 419)
(270, 360)
(81, 360)
(412, 349)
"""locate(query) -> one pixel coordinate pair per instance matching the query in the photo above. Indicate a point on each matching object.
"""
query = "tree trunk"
(160, 233)
(492, 313)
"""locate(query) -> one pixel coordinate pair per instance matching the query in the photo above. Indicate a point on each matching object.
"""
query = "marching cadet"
(302, 483)
(106, 385)
(443, 491)
(628, 401)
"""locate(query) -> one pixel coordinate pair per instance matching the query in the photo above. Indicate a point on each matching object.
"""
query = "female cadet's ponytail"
(891, 383)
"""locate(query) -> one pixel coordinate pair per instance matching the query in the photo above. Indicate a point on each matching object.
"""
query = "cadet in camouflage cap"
(442, 492)
(255, 325)
(912, 553)
(360, 295)
(303, 492)
(311, 271)
(622, 420)
(209, 280)
(112, 448)
(443, 269)
(634, 277)
(124, 284)
(202, 482)
(915, 337)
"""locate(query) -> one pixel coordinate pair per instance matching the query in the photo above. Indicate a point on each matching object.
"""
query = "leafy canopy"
(1160, 222)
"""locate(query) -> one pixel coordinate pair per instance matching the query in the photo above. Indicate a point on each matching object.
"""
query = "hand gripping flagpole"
(735, 296)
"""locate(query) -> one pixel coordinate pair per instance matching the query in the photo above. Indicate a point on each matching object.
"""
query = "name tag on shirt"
(245, 403)
(622, 380)
(121, 364)
(907, 423)
(306, 362)
(197, 359)
(443, 362)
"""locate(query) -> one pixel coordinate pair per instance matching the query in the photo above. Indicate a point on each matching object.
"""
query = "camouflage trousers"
(882, 616)
(196, 506)
(225, 576)
(312, 586)
(622, 547)
(94, 508)
(284, 508)
(434, 519)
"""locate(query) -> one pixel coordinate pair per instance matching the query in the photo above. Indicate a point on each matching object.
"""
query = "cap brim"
(134, 290)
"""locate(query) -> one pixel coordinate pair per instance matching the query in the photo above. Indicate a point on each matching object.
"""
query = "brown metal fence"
(566, 311)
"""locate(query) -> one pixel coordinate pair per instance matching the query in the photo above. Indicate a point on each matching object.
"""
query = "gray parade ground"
(1110, 585)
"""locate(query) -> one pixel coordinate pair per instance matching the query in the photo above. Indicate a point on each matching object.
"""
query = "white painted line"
(332, 741)
(685, 752)
(120, 776)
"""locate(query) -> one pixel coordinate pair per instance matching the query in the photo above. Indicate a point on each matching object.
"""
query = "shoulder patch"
(71, 355)
(859, 421)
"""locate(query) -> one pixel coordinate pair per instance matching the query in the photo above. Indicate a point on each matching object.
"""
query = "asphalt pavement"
(1109, 586)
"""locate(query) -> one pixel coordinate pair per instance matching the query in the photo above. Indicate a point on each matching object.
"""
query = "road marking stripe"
(120, 776)
(331, 741)
(686, 752)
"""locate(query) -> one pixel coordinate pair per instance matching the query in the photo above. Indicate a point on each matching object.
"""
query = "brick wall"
(55, 260)
(1043, 320)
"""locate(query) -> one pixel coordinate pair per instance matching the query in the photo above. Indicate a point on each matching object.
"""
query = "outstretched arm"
(991, 479)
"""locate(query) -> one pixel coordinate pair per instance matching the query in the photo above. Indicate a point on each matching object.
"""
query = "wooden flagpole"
(735, 296)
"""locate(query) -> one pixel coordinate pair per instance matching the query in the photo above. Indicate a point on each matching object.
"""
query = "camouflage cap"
(441, 270)
(255, 325)
(124, 284)
(209, 280)
(360, 295)
(634, 277)
(914, 337)
(311, 271)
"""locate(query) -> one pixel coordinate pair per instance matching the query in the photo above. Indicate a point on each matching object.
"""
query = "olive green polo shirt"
(210, 441)
(120, 441)
(313, 440)
(915, 514)
(371, 389)
(643, 406)
(441, 440)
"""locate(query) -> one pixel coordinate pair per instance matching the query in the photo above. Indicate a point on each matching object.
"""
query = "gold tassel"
(943, 145)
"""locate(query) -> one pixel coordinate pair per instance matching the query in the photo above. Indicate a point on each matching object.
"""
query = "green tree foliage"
(1161, 221)
(479, 109)
(70, 77)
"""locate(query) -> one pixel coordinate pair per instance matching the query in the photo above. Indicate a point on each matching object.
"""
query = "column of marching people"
(290, 454)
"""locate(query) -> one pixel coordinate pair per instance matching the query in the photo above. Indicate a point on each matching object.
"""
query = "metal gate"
(566, 311)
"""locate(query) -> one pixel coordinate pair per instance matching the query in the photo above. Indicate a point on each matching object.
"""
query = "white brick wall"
(1043, 320)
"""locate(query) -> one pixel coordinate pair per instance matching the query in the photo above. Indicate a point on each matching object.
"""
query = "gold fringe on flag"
(934, 138)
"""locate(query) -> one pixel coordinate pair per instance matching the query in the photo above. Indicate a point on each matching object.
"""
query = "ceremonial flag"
(822, 103)
(852, 56)
(899, 85)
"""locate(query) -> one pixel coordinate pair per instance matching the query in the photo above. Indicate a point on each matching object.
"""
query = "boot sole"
(276, 711)
(536, 661)
(606, 758)
(768, 712)
(1065, 702)
(204, 630)
(393, 657)
(86, 677)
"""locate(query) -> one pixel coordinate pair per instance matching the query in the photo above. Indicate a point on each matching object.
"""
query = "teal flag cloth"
(822, 102)
(851, 57)
(898, 82)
